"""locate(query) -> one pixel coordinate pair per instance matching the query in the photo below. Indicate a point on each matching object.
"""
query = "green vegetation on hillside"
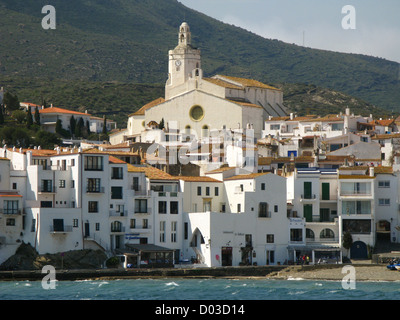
(128, 41)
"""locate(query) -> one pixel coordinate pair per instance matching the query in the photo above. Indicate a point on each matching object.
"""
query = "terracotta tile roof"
(220, 170)
(354, 168)
(224, 84)
(354, 176)
(149, 105)
(264, 161)
(9, 194)
(246, 176)
(279, 119)
(385, 123)
(114, 160)
(247, 82)
(381, 170)
(151, 172)
(60, 110)
(197, 179)
(245, 104)
(386, 136)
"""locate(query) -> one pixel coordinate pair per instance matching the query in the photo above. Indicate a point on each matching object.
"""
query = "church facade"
(197, 105)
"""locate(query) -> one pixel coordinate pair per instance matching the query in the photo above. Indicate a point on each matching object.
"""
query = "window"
(93, 206)
(93, 185)
(75, 223)
(162, 207)
(241, 188)
(135, 185)
(216, 191)
(72, 162)
(46, 186)
(354, 188)
(72, 183)
(162, 231)
(145, 223)
(174, 207)
(307, 190)
(275, 126)
(356, 207)
(61, 184)
(239, 209)
(116, 192)
(275, 208)
(33, 225)
(384, 202)
(14, 186)
(383, 184)
(262, 186)
(263, 210)
(186, 230)
(93, 163)
(133, 224)
(207, 191)
(46, 204)
(199, 191)
(270, 238)
(97, 226)
(140, 205)
(116, 226)
(327, 234)
(10, 207)
(10, 222)
(116, 173)
(173, 231)
(296, 235)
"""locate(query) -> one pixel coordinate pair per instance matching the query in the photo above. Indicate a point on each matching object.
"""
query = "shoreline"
(362, 272)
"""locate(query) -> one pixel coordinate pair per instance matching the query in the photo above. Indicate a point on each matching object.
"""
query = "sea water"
(198, 289)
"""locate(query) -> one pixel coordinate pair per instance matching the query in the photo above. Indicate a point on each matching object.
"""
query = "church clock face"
(196, 113)
(178, 63)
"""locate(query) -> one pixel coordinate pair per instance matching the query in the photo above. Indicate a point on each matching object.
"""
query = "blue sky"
(377, 31)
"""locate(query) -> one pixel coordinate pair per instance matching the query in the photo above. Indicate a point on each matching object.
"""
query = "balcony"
(47, 190)
(11, 211)
(95, 190)
(312, 196)
(114, 213)
(141, 229)
(60, 229)
(117, 229)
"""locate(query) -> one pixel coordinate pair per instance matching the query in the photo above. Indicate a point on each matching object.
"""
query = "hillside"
(117, 100)
(128, 41)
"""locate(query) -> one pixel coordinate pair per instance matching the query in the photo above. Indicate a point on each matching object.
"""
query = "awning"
(147, 248)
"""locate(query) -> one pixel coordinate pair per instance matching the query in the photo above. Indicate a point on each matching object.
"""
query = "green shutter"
(325, 191)
(307, 190)
(307, 208)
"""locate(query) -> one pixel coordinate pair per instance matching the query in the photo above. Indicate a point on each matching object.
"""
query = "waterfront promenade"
(363, 272)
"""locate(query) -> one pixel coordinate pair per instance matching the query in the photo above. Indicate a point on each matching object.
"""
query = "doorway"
(226, 255)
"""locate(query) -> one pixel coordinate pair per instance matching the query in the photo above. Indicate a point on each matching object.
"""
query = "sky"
(371, 28)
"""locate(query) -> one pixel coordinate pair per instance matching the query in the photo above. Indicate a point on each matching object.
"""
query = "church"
(197, 104)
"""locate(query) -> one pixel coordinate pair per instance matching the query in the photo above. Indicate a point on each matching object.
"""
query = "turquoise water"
(198, 289)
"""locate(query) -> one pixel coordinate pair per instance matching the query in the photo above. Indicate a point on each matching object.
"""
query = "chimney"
(347, 111)
(291, 116)
(371, 171)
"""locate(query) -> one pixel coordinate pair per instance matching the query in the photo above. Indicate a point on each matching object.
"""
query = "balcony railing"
(62, 229)
(114, 213)
(11, 211)
(95, 190)
(309, 196)
(48, 190)
(118, 229)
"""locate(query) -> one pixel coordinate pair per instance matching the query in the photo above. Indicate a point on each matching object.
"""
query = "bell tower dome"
(184, 62)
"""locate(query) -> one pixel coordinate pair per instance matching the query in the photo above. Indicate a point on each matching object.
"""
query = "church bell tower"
(184, 61)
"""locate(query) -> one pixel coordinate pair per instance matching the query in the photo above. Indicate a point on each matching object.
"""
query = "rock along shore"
(367, 272)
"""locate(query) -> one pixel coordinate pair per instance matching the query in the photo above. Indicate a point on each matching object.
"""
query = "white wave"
(296, 279)
(173, 283)
(102, 283)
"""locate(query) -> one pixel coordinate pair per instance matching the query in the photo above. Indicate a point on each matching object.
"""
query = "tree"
(347, 241)
(78, 128)
(72, 125)
(37, 116)
(19, 115)
(59, 126)
(29, 120)
(10, 101)
(161, 125)
(105, 125)
(1, 114)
